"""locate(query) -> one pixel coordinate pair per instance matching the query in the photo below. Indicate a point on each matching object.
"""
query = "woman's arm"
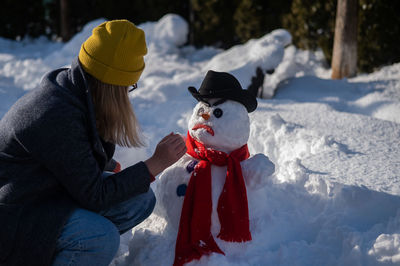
(59, 140)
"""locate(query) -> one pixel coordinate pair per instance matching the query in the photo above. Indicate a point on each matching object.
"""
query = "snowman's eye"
(218, 112)
(200, 111)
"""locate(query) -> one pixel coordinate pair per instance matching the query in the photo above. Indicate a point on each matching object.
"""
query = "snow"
(335, 196)
(242, 60)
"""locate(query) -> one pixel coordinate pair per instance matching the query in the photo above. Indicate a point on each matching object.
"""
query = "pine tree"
(255, 18)
(312, 24)
(213, 22)
(378, 33)
(20, 18)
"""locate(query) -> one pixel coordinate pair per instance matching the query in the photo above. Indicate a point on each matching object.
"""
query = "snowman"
(206, 196)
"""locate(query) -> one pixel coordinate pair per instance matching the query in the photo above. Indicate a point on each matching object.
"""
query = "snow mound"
(294, 226)
(386, 248)
(165, 35)
(295, 63)
(242, 60)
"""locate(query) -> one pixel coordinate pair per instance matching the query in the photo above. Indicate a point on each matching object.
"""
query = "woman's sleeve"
(60, 141)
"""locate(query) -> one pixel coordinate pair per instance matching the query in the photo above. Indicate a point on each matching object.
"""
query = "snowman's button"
(181, 190)
(190, 166)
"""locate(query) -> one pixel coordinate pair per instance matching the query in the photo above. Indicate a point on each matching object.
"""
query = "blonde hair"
(115, 120)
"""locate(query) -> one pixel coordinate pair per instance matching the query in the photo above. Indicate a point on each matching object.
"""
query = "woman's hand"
(169, 150)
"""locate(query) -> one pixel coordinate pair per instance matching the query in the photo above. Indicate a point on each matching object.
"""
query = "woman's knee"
(144, 204)
(150, 203)
(110, 237)
(87, 237)
(130, 213)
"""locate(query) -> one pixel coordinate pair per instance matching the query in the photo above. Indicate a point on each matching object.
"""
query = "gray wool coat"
(51, 161)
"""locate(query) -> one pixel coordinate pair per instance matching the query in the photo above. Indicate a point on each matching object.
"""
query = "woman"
(57, 207)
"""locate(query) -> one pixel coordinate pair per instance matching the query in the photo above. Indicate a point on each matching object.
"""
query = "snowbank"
(242, 60)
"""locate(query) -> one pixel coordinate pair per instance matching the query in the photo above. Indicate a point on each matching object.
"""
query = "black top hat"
(224, 85)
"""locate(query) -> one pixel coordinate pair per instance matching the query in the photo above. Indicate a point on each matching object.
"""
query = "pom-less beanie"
(114, 53)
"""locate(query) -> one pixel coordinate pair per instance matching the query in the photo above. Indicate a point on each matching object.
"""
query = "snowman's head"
(220, 120)
(220, 124)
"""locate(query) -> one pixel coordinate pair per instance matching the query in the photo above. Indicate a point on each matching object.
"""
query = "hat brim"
(243, 96)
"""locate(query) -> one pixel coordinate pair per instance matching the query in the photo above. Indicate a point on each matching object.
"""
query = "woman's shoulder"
(51, 106)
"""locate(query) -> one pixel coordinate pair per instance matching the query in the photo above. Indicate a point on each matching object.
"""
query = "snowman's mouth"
(207, 128)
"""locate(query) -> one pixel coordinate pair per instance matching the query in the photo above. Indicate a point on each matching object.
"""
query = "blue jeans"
(90, 238)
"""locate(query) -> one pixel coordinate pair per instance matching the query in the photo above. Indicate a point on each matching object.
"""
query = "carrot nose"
(205, 116)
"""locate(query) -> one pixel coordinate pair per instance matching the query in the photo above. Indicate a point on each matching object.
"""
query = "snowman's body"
(224, 127)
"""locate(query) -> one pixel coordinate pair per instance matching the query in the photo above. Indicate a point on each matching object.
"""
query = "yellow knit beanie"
(114, 53)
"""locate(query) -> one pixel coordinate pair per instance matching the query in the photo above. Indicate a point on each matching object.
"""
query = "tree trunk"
(64, 20)
(191, 23)
(344, 58)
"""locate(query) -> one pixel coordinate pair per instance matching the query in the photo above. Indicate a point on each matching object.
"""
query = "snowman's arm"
(256, 170)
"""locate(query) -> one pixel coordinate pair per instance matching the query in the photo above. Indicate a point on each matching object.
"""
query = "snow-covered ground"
(335, 196)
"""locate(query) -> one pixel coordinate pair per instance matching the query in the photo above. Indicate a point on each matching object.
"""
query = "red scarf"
(194, 237)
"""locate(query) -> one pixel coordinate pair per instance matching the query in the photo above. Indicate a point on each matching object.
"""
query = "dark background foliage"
(312, 25)
(223, 23)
